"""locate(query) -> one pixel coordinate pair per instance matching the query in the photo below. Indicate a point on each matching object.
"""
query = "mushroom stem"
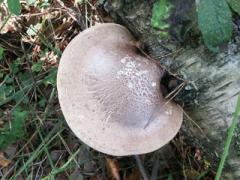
(141, 167)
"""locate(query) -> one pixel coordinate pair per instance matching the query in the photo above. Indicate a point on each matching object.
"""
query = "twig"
(154, 173)
(175, 91)
(141, 168)
(191, 120)
(5, 22)
(158, 62)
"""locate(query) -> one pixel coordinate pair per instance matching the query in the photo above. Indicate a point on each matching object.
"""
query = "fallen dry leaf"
(7, 23)
(4, 162)
(113, 168)
(197, 154)
(135, 175)
(1, 124)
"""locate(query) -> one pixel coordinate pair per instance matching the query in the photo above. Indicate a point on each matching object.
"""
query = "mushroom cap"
(110, 95)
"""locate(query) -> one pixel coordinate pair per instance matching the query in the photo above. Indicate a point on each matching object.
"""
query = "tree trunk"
(213, 81)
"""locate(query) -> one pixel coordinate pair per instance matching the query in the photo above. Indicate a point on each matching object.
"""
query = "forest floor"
(35, 141)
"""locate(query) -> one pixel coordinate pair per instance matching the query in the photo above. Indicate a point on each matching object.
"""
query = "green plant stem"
(231, 130)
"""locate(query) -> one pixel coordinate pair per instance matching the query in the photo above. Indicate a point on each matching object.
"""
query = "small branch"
(155, 169)
(141, 167)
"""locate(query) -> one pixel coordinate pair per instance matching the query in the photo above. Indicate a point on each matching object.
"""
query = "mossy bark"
(210, 96)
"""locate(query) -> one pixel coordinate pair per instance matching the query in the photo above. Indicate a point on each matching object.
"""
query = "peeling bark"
(213, 81)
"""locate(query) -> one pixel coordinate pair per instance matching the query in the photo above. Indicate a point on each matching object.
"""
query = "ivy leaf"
(160, 14)
(14, 6)
(235, 5)
(215, 22)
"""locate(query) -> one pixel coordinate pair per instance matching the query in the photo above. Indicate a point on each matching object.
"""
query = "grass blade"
(50, 137)
(235, 118)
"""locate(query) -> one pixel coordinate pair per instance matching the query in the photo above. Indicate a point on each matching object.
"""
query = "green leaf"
(42, 102)
(215, 22)
(1, 53)
(160, 14)
(16, 131)
(1, 74)
(5, 91)
(2, 92)
(14, 6)
(51, 78)
(21, 97)
(25, 78)
(235, 5)
(170, 177)
(15, 66)
(37, 67)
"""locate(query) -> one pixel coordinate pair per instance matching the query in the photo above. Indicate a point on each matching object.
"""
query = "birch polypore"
(110, 95)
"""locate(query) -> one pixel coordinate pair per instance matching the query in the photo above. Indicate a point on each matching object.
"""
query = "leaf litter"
(45, 147)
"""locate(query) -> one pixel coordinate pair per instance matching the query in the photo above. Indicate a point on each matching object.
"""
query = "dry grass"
(32, 44)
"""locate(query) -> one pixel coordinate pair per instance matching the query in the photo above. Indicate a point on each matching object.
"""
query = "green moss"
(160, 14)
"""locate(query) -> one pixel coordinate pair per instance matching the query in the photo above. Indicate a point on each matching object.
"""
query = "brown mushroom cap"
(110, 96)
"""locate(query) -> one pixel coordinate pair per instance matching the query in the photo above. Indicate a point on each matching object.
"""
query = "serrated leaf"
(14, 6)
(235, 5)
(215, 22)
(160, 14)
